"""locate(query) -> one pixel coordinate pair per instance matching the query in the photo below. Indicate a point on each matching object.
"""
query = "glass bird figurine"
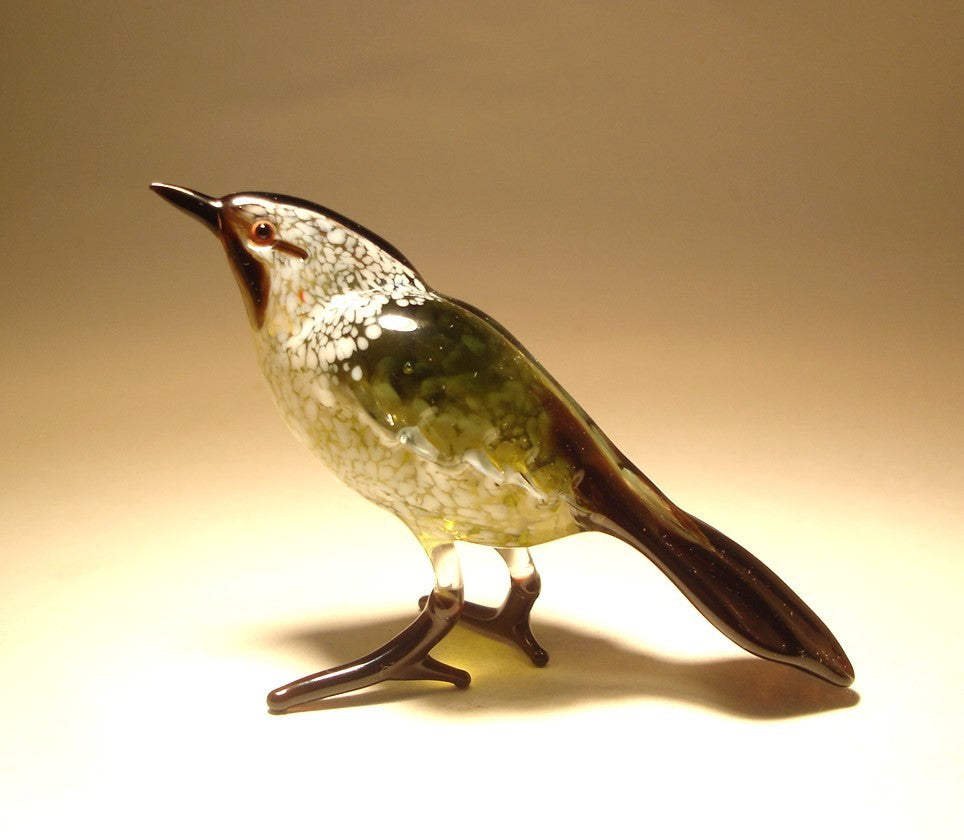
(432, 410)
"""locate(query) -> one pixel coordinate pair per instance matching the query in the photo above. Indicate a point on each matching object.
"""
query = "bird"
(431, 409)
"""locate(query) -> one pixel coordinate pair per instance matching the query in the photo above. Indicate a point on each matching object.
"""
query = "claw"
(403, 658)
(431, 669)
(511, 620)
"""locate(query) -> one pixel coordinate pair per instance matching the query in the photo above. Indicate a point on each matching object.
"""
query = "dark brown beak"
(200, 206)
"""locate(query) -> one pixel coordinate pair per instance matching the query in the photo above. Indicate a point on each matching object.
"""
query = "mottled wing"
(446, 381)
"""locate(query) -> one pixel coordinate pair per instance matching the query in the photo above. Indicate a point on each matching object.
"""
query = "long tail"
(737, 593)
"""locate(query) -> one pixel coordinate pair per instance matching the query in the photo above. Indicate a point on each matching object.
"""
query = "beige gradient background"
(733, 230)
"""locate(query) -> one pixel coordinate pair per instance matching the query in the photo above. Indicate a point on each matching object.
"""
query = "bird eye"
(262, 233)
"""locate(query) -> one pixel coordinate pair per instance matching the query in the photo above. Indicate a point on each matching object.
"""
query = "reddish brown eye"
(262, 233)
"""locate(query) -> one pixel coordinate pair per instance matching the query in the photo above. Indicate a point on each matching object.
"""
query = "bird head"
(287, 251)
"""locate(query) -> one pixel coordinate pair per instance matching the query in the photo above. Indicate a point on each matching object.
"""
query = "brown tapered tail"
(737, 593)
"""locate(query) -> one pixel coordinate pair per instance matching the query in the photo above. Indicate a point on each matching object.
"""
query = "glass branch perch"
(429, 408)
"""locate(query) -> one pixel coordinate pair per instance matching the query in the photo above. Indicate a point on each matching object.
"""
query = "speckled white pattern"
(320, 313)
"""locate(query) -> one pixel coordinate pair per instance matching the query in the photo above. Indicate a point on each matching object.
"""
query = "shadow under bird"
(432, 410)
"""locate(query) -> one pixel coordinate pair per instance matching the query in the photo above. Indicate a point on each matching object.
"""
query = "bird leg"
(406, 657)
(510, 621)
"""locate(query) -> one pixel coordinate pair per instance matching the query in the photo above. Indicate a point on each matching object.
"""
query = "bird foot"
(510, 621)
(406, 657)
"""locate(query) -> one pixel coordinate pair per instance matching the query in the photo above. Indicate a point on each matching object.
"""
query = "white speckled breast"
(464, 499)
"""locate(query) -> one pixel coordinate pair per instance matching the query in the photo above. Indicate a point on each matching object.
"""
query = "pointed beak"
(200, 206)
